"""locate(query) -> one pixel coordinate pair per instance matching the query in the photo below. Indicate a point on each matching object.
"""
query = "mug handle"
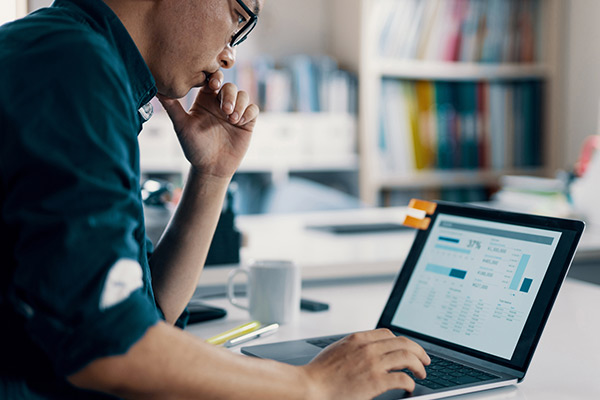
(231, 287)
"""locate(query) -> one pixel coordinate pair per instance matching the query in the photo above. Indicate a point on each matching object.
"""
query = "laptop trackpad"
(293, 352)
(298, 360)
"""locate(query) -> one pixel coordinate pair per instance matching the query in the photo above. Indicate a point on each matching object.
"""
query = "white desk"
(566, 364)
(324, 255)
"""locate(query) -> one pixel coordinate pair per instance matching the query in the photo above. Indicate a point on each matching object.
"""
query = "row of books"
(493, 31)
(460, 125)
(298, 83)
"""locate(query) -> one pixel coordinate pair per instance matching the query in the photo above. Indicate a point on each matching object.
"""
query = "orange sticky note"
(417, 212)
(416, 222)
(427, 206)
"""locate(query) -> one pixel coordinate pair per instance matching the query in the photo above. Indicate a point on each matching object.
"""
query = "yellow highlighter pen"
(233, 333)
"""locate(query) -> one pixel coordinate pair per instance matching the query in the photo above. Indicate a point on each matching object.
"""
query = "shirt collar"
(102, 19)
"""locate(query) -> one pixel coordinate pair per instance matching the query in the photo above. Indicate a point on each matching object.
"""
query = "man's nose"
(227, 57)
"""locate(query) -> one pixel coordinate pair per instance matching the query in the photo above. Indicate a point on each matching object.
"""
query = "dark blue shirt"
(71, 84)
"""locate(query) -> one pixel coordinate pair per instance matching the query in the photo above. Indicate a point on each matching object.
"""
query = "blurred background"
(372, 102)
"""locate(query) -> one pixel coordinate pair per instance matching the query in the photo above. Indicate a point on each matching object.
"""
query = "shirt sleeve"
(72, 204)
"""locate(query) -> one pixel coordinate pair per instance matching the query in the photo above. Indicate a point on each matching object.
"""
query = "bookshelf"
(283, 143)
(286, 148)
(529, 74)
(307, 128)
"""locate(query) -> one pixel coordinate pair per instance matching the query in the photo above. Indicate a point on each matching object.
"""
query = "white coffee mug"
(273, 290)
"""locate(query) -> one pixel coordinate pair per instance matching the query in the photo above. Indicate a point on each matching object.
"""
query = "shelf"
(339, 162)
(282, 143)
(451, 178)
(451, 71)
(519, 83)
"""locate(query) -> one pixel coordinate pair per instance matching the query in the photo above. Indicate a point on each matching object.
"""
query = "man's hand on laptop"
(360, 365)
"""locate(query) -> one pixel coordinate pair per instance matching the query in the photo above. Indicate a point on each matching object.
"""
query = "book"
(467, 114)
(454, 39)
(304, 83)
(470, 29)
(509, 126)
(431, 15)
(446, 121)
(483, 133)
(418, 147)
(491, 51)
(434, 45)
(399, 155)
(497, 117)
(425, 95)
(491, 31)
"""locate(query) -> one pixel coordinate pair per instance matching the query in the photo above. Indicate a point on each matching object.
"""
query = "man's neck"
(134, 15)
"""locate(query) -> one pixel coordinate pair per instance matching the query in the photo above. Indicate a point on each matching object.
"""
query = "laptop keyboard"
(441, 373)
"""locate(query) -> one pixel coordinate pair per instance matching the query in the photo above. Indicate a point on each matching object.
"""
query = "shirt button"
(146, 111)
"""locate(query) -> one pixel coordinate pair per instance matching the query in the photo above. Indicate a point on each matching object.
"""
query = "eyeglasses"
(243, 33)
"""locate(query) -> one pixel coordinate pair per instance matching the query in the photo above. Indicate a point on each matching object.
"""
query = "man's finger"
(215, 81)
(228, 98)
(240, 106)
(404, 359)
(399, 380)
(249, 115)
(414, 347)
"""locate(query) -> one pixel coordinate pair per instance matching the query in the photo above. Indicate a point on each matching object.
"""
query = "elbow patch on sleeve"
(124, 277)
(112, 323)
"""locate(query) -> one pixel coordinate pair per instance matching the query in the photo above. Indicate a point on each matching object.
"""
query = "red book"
(459, 10)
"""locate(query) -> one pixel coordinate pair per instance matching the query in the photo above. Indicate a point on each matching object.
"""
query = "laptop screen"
(476, 280)
(482, 284)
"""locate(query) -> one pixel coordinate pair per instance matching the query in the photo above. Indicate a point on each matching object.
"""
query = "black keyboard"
(441, 373)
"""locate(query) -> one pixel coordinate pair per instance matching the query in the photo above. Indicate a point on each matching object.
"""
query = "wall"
(285, 27)
(289, 27)
(582, 83)
(8, 11)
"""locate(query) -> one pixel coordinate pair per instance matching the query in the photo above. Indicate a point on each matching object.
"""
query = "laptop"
(475, 290)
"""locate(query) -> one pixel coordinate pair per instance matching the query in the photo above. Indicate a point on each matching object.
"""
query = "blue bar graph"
(448, 239)
(458, 273)
(457, 249)
(447, 271)
(526, 285)
(514, 285)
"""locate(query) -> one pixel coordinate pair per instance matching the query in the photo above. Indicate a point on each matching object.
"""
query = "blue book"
(445, 121)
(498, 131)
(304, 82)
(467, 114)
(528, 117)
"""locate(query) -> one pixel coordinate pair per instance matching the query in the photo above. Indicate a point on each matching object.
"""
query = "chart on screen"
(475, 281)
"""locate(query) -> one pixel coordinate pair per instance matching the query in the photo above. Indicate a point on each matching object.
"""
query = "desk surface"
(566, 364)
(324, 255)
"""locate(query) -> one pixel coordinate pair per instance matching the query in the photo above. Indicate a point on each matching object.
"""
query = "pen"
(233, 333)
(266, 330)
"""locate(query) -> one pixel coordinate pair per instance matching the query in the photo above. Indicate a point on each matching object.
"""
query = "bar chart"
(514, 284)
(477, 280)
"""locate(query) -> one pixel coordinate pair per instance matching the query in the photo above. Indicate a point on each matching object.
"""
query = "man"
(87, 306)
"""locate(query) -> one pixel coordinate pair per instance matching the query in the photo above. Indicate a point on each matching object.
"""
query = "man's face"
(191, 41)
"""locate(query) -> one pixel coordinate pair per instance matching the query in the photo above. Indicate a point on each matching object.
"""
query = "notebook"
(475, 290)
